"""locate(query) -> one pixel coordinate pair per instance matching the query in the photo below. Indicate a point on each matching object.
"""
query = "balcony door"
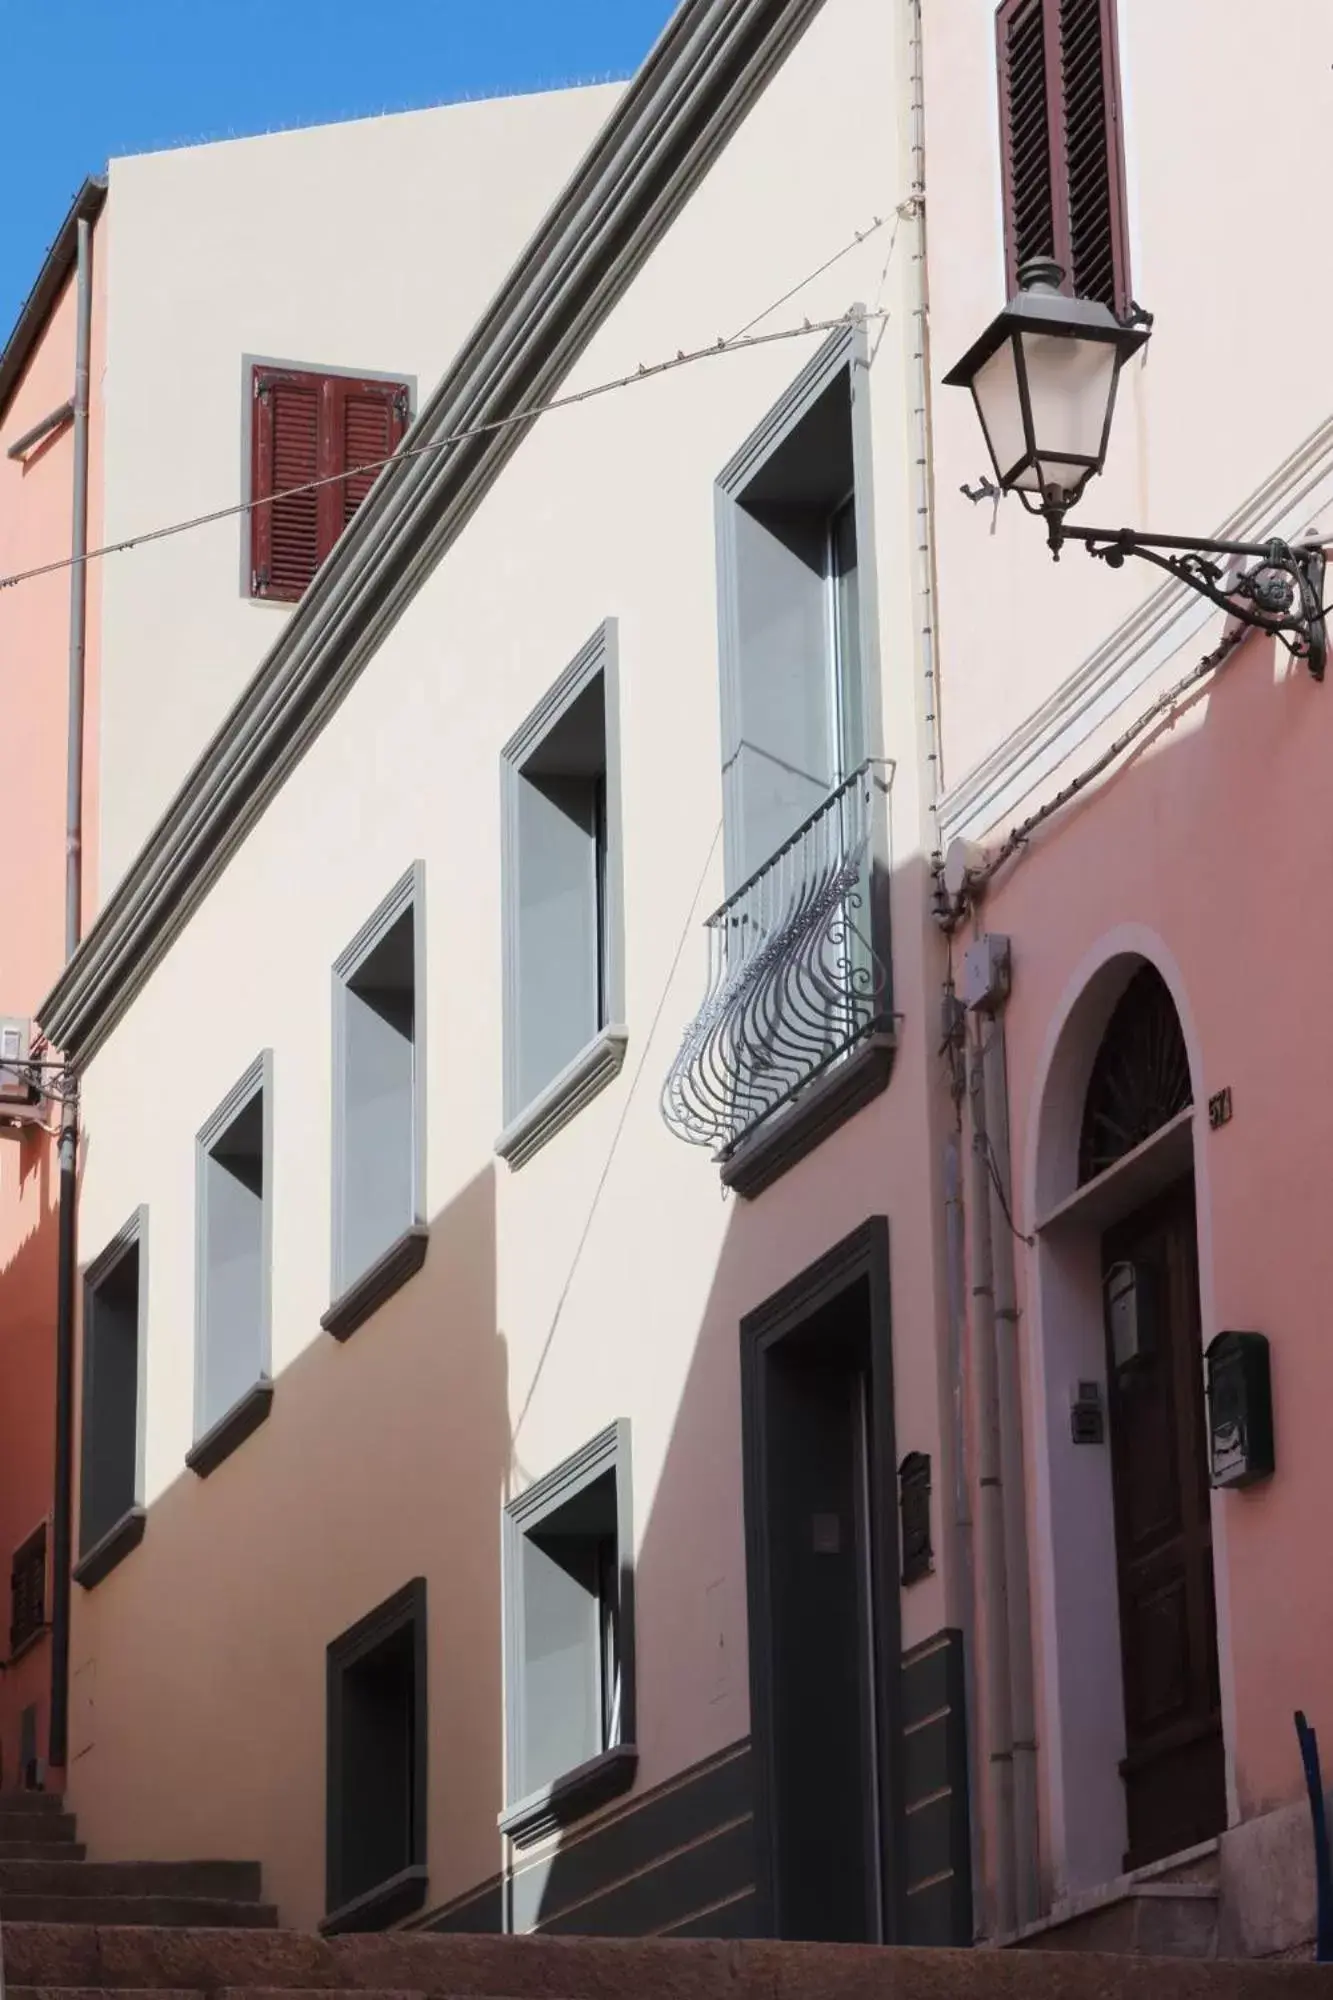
(793, 722)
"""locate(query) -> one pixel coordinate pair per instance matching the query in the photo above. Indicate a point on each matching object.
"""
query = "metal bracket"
(1276, 588)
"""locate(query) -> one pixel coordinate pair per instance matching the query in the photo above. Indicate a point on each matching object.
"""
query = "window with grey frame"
(562, 897)
(234, 1153)
(378, 1106)
(798, 972)
(376, 1768)
(111, 1428)
(569, 1639)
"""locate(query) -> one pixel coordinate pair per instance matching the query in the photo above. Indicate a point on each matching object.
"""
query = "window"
(111, 1517)
(27, 1592)
(232, 1387)
(376, 1775)
(305, 427)
(1061, 143)
(560, 781)
(569, 1651)
(379, 1237)
(793, 699)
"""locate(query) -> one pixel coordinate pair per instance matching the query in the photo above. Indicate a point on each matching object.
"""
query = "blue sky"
(88, 79)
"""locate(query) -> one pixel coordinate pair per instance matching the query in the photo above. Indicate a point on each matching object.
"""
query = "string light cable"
(746, 337)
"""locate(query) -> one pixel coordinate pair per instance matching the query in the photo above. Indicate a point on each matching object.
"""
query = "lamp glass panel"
(995, 388)
(1070, 385)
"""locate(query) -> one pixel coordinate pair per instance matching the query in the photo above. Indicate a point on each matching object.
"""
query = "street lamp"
(1043, 377)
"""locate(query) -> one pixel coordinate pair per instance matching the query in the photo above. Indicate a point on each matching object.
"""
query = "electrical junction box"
(1240, 1409)
(15, 1049)
(1087, 1415)
(984, 984)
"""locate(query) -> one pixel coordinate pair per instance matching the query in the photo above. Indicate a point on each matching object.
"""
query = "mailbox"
(1240, 1409)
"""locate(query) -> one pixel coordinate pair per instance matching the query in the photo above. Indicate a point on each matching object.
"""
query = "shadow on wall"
(27, 1424)
(383, 1459)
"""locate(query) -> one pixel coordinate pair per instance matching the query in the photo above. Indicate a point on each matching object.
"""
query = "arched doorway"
(1173, 1766)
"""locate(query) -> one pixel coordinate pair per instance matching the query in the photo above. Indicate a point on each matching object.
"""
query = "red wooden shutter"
(284, 533)
(372, 417)
(1025, 136)
(1094, 165)
(1061, 149)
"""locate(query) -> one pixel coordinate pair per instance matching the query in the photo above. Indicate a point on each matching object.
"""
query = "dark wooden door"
(1175, 1787)
(823, 1735)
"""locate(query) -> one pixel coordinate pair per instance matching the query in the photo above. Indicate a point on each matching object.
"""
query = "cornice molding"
(707, 70)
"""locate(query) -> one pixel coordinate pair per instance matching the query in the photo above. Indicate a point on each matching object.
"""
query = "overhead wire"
(734, 343)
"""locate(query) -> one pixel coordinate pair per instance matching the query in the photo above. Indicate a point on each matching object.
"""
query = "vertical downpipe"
(67, 1250)
(990, 1509)
(1012, 1471)
(964, 1590)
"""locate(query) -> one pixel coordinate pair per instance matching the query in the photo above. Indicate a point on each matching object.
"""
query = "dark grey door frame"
(864, 1254)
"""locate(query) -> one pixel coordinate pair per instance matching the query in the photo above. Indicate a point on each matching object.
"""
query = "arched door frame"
(1081, 1726)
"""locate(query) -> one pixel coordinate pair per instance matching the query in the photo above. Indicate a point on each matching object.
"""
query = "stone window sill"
(401, 1261)
(231, 1430)
(113, 1548)
(577, 1084)
(568, 1798)
(375, 1910)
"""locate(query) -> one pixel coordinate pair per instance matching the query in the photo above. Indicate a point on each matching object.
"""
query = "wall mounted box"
(1240, 1409)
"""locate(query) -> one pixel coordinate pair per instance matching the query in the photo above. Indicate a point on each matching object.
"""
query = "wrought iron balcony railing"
(794, 978)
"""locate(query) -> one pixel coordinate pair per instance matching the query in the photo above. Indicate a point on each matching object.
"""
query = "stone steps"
(222, 1881)
(138, 1912)
(1168, 1910)
(45, 1879)
(42, 1850)
(80, 1961)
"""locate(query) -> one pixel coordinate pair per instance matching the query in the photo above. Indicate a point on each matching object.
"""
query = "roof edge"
(36, 308)
(712, 63)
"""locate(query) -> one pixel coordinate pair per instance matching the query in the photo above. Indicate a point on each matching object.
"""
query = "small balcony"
(796, 1031)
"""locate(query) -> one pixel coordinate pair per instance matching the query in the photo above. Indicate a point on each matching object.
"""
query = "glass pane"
(995, 387)
(1069, 387)
(846, 636)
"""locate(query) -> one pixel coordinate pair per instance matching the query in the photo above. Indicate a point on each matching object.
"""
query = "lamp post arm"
(1267, 585)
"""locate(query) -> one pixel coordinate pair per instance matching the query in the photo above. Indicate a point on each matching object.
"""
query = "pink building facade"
(39, 447)
(1165, 1079)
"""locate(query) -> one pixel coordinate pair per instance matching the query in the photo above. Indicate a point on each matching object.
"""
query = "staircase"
(78, 1930)
(44, 1879)
(1168, 1910)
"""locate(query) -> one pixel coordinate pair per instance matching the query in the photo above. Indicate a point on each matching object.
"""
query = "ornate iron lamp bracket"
(1269, 586)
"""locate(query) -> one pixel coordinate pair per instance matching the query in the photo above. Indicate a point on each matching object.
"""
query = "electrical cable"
(731, 344)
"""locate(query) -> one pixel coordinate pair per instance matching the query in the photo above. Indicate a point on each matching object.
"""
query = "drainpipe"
(963, 1569)
(962, 1592)
(67, 1247)
(993, 1591)
(1012, 1470)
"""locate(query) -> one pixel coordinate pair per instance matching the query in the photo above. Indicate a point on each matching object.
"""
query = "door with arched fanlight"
(1173, 1770)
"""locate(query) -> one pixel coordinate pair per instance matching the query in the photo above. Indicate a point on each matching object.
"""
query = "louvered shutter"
(310, 427)
(284, 539)
(371, 419)
(27, 1590)
(1062, 154)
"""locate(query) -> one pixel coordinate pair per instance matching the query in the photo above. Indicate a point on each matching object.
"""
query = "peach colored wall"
(373, 246)
(607, 1277)
(35, 519)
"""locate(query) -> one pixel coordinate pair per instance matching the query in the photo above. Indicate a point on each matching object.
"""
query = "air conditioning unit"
(16, 1083)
